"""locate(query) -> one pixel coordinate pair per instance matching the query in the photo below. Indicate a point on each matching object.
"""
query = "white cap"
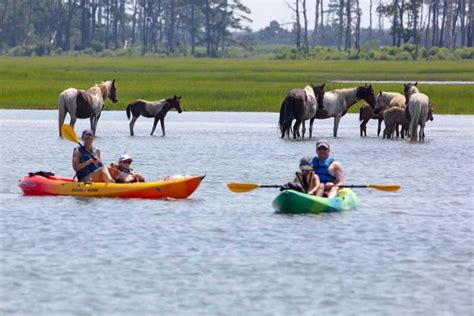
(125, 157)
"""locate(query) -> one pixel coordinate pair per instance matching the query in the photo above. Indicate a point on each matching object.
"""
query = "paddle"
(69, 133)
(241, 187)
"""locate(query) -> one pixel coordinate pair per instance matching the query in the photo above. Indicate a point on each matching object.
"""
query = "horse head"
(113, 92)
(366, 92)
(319, 93)
(409, 89)
(175, 102)
(430, 112)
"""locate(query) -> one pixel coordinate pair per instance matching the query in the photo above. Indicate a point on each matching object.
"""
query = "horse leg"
(92, 120)
(296, 128)
(96, 122)
(154, 124)
(311, 121)
(422, 132)
(379, 127)
(132, 123)
(303, 129)
(61, 118)
(363, 128)
(337, 118)
(72, 122)
(162, 122)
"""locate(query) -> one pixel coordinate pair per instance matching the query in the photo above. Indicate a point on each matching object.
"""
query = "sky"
(264, 11)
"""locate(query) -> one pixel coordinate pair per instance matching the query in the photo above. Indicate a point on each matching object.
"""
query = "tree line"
(448, 23)
(210, 27)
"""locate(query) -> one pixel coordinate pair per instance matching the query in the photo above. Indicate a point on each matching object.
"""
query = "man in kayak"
(87, 163)
(122, 173)
(306, 178)
(330, 172)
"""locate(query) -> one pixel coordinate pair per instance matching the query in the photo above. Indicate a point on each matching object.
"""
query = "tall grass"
(220, 84)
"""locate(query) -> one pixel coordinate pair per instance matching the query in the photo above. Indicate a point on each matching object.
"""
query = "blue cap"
(87, 132)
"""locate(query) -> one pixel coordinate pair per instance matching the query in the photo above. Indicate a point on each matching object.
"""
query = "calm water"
(221, 253)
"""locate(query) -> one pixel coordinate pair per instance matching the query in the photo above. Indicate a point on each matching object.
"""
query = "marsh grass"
(221, 84)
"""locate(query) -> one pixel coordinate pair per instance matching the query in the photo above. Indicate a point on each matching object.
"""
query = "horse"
(393, 117)
(155, 109)
(85, 103)
(337, 102)
(365, 114)
(300, 105)
(386, 100)
(418, 108)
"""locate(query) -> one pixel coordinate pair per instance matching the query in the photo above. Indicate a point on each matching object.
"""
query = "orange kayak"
(178, 188)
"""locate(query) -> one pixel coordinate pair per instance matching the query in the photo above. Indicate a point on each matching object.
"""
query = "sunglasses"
(323, 148)
(127, 161)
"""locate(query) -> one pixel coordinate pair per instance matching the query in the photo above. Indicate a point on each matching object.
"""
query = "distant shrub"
(97, 46)
(404, 56)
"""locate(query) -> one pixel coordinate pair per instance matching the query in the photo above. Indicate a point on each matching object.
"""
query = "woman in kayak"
(87, 163)
(122, 173)
(330, 172)
(306, 178)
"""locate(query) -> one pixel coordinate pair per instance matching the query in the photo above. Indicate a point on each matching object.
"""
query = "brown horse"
(393, 117)
(155, 109)
(300, 105)
(85, 103)
(365, 115)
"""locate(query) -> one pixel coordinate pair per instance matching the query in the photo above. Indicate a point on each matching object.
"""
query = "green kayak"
(294, 202)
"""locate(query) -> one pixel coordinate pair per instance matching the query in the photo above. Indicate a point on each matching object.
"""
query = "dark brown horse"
(365, 114)
(155, 109)
(300, 105)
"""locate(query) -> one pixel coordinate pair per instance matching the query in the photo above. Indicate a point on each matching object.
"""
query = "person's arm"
(76, 158)
(314, 184)
(338, 174)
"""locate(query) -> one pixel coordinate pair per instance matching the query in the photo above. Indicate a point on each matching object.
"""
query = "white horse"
(418, 106)
(337, 102)
(85, 103)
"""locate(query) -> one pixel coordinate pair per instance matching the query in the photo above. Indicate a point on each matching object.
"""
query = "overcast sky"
(264, 11)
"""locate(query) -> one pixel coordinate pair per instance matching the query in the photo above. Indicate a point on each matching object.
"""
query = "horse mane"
(387, 96)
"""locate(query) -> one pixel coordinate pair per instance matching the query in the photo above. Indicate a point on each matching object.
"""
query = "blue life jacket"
(321, 168)
(84, 172)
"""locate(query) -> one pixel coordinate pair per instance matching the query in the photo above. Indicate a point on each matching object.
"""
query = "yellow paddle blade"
(68, 133)
(388, 187)
(240, 187)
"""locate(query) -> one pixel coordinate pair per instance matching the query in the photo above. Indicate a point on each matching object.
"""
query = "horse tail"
(66, 103)
(298, 107)
(415, 119)
(128, 110)
(61, 112)
(281, 120)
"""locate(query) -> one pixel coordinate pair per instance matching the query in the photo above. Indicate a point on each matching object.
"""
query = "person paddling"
(87, 163)
(122, 173)
(306, 178)
(330, 172)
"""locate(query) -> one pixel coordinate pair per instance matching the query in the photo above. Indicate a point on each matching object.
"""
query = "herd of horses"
(409, 110)
(90, 103)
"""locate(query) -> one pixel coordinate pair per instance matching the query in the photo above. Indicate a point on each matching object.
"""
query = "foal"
(365, 114)
(156, 109)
